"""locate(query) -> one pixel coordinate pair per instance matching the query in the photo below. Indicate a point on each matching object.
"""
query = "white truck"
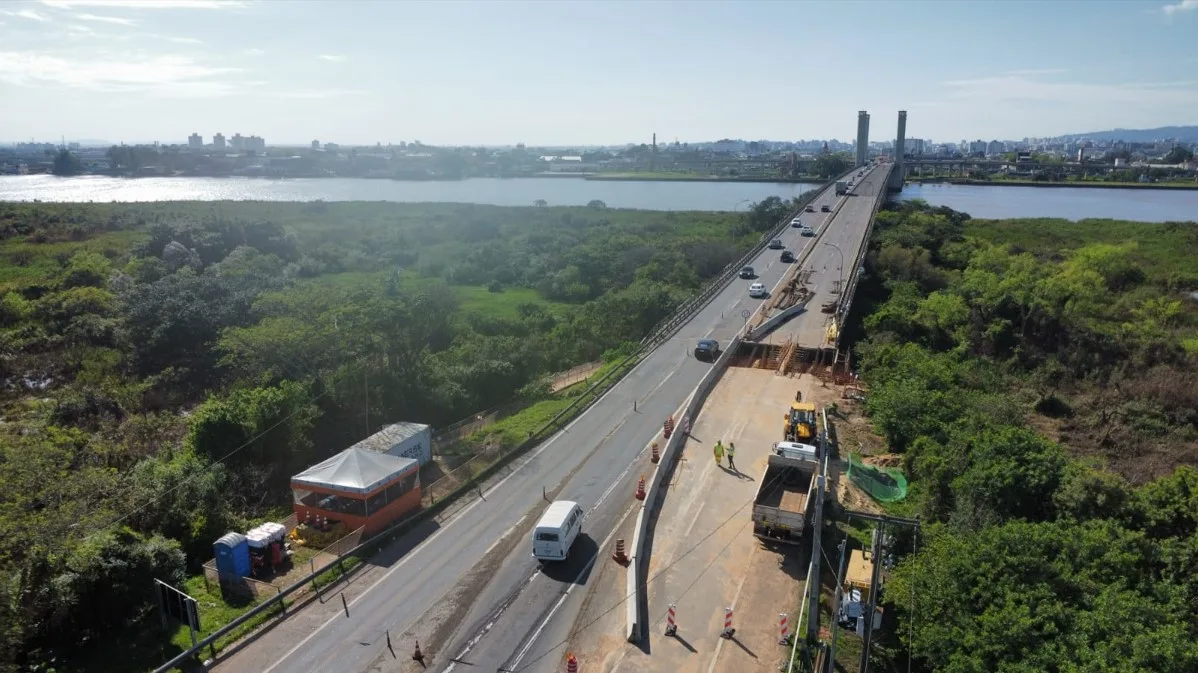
(787, 492)
(842, 187)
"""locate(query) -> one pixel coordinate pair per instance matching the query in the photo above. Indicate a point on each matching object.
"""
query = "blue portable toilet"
(232, 555)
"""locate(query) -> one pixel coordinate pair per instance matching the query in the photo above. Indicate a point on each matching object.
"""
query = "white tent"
(355, 470)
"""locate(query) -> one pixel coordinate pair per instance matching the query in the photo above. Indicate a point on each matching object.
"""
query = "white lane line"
(537, 633)
(457, 517)
(735, 597)
(694, 519)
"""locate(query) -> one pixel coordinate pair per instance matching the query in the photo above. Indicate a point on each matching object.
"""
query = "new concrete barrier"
(771, 324)
(637, 582)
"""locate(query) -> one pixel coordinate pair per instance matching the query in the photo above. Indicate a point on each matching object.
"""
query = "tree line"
(1038, 554)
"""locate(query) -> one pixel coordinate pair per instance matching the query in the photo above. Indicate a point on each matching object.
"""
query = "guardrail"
(686, 309)
(680, 316)
(843, 309)
(636, 582)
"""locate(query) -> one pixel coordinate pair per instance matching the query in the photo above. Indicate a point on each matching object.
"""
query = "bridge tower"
(862, 138)
(900, 141)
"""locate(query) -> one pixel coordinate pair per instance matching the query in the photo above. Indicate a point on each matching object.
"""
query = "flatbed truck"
(787, 492)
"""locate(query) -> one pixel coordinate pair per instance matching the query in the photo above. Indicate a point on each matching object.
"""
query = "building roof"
(356, 470)
(860, 570)
(389, 436)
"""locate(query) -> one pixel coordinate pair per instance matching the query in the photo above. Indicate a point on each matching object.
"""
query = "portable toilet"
(232, 555)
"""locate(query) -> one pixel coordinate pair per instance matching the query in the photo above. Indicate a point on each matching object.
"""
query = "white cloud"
(254, 52)
(26, 14)
(320, 93)
(146, 4)
(336, 58)
(1183, 6)
(161, 75)
(1027, 89)
(105, 19)
(1044, 71)
(180, 40)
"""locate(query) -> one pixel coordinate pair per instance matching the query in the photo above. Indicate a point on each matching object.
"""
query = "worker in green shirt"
(719, 451)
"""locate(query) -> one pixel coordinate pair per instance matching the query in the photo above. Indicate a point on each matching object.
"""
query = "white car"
(757, 290)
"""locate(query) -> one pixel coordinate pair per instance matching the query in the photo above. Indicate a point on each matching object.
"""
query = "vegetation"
(1039, 378)
(168, 366)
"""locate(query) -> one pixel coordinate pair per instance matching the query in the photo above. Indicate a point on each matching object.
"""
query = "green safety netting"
(883, 484)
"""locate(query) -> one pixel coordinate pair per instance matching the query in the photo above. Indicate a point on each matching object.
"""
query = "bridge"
(800, 324)
(464, 585)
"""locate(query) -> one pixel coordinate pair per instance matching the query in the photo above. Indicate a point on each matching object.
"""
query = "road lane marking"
(720, 645)
(457, 517)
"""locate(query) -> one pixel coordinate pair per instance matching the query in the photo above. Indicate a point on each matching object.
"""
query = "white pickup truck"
(787, 492)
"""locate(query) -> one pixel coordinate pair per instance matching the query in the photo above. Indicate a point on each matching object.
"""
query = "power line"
(650, 581)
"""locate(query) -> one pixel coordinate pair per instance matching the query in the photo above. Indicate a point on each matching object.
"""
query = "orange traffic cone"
(640, 488)
(571, 663)
(619, 556)
(655, 455)
(418, 655)
(669, 426)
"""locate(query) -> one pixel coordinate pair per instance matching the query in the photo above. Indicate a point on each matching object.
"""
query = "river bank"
(684, 177)
(1032, 183)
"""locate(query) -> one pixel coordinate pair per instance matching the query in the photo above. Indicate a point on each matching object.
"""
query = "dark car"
(826, 208)
(787, 256)
(776, 244)
(748, 272)
(707, 349)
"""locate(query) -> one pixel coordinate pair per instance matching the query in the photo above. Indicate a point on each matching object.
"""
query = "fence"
(577, 374)
(881, 483)
(580, 404)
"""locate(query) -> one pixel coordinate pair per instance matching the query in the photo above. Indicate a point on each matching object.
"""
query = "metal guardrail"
(680, 315)
(843, 309)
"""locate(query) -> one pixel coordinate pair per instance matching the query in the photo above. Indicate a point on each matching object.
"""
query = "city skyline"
(586, 74)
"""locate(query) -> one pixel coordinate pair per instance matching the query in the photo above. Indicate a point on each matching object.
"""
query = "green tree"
(66, 163)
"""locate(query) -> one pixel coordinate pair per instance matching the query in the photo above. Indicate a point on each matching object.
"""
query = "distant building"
(218, 141)
(237, 142)
(315, 144)
(195, 141)
(995, 148)
(331, 147)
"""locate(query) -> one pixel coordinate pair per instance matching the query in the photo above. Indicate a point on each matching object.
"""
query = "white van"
(556, 531)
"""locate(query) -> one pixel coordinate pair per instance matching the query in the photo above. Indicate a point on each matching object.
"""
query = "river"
(978, 200)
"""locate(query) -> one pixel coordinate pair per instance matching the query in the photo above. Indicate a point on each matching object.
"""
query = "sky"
(590, 73)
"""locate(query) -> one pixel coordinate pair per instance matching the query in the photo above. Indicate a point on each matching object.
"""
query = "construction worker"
(719, 451)
(732, 455)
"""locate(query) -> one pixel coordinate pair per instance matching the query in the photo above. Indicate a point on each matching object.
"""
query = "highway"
(843, 238)
(468, 586)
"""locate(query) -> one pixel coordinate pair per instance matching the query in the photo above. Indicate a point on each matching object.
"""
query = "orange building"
(358, 487)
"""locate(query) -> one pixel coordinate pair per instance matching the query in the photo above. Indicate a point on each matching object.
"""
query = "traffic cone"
(655, 456)
(640, 488)
(418, 655)
(669, 426)
(618, 555)
(571, 663)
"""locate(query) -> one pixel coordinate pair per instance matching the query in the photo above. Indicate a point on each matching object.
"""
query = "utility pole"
(836, 601)
(876, 558)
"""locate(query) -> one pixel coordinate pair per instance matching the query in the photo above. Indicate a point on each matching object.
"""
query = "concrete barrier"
(784, 315)
(637, 580)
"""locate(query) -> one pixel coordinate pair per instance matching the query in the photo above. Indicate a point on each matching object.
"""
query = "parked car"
(757, 290)
(787, 257)
(707, 349)
(826, 208)
(748, 272)
(776, 244)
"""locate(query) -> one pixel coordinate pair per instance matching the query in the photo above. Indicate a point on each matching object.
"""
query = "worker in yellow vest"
(719, 451)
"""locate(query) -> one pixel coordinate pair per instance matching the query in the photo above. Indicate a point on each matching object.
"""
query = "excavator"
(800, 422)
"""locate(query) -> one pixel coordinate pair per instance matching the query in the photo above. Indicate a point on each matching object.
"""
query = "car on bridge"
(707, 349)
(826, 208)
(810, 208)
(757, 290)
(806, 231)
(796, 223)
(776, 244)
(747, 272)
(787, 257)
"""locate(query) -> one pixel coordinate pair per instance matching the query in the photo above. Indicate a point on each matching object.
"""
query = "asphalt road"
(844, 235)
(486, 543)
